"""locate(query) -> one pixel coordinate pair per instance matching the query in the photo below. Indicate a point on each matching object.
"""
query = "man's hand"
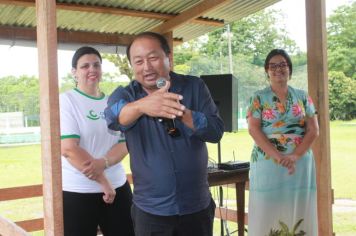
(162, 104)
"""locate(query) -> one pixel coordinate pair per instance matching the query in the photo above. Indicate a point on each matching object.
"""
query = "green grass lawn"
(21, 166)
(343, 158)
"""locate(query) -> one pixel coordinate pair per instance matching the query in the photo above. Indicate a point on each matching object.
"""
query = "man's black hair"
(148, 34)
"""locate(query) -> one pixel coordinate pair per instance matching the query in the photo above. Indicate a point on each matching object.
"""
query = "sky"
(294, 13)
(18, 61)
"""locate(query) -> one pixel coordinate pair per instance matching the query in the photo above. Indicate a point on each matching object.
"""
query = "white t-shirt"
(82, 116)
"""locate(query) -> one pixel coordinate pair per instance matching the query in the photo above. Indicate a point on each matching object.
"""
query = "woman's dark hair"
(148, 34)
(83, 51)
(282, 53)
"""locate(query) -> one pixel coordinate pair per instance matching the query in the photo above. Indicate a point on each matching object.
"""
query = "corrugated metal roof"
(73, 20)
(163, 6)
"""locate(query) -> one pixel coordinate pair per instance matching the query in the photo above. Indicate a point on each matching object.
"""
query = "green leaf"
(285, 228)
(297, 225)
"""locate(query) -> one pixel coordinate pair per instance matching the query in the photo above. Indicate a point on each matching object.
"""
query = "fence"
(20, 135)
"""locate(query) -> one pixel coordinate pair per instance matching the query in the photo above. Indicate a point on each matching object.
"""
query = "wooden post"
(49, 114)
(169, 37)
(318, 89)
(240, 198)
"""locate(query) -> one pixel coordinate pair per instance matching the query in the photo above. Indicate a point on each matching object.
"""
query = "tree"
(341, 40)
(66, 83)
(20, 94)
(341, 30)
(252, 39)
(253, 36)
(342, 98)
(107, 87)
(121, 62)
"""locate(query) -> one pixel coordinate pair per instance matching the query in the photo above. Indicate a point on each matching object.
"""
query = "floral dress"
(275, 196)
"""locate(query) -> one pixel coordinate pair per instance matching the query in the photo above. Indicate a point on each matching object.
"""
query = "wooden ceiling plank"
(188, 15)
(114, 11)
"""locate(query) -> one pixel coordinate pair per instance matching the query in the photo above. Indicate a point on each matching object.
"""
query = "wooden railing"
(19, 228)
(7, 194)
(9, 228)
(14, 193)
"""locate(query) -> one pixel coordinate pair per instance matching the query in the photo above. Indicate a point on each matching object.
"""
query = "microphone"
(169, 124)
(161, 82)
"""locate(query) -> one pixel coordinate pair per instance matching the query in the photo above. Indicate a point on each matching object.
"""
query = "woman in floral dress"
(282, 121)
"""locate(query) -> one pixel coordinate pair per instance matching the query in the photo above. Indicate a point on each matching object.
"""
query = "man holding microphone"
(166, 129)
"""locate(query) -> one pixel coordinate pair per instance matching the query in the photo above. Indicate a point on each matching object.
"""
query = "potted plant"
(284, 230)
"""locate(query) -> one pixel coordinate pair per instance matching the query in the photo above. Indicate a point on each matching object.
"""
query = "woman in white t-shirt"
(95, 188)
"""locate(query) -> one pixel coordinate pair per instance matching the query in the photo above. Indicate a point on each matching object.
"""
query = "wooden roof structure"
(113, 23)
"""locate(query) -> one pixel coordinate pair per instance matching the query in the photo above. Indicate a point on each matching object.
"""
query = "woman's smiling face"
(88, 71)
(278, 70)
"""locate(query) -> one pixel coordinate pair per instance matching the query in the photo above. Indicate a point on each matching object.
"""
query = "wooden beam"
(169, 37)
(240, 201)
(114, 11)
(64, 36)
(93, 38)
(216, 179)
(49, 114)
(21, 3)
(177, 43)
(14, 193)
(18, 33)
(229, 214)
(31, 225)
(318, 89)
(8, 227)
(188, 15)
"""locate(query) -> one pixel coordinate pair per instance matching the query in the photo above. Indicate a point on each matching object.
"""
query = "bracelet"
(107, 164)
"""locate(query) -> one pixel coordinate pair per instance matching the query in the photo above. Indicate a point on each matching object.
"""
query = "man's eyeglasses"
(275, 66)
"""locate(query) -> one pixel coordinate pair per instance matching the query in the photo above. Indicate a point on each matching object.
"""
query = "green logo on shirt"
(92, 115)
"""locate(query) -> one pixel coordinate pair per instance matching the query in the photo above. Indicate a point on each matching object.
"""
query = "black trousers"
(84, 212)
(196, 224)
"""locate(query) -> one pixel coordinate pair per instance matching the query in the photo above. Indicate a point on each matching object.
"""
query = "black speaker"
(223, 89)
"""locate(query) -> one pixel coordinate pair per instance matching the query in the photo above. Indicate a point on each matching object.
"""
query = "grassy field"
(21, 166)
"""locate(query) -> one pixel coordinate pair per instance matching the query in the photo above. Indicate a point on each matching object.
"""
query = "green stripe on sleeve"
(70, 136)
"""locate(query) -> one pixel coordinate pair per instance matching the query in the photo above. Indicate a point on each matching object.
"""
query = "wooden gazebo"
(113, 23)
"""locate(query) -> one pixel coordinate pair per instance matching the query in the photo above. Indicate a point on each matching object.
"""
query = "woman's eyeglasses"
(275, 66)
